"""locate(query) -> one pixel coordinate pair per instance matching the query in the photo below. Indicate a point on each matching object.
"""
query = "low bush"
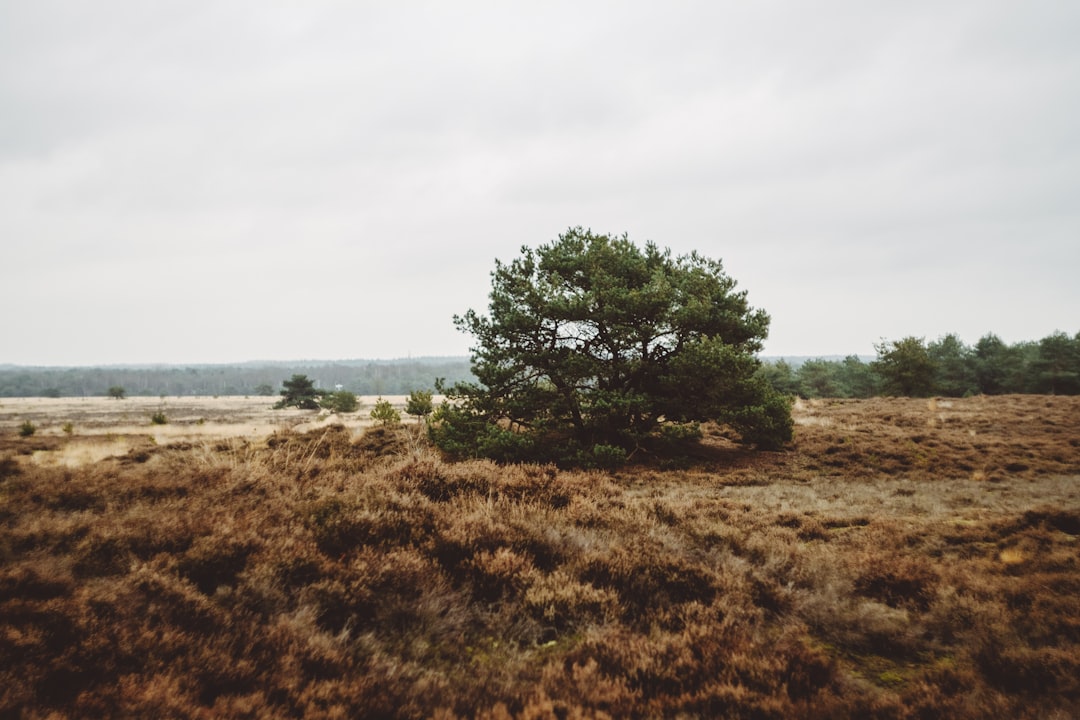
(385, 414)
(341, 401)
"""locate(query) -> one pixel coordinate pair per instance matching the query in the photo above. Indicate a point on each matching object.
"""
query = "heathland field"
(97, 427)
(904, 558)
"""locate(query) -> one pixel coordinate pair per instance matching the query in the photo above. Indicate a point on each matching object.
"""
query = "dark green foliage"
(766, 423)
(998, 367)
(954, 369)
(27, 429)
(604, 456)
(856, 378)
(158, 418)
(116, 392)
(341, 401)
(944, 367)
(299, 392)
(817, 378)
(419, 403)
(461, 430)
(906, 367)
(781, 376)
(592, 345)
(1057, 365)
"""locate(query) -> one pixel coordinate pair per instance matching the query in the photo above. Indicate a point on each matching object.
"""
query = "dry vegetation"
(905, 559)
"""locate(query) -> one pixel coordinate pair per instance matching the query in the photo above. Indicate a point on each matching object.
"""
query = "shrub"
(384, 413)
(27, 429)
(159, 418)
(341, 401)
(605, 456)
(419, 403)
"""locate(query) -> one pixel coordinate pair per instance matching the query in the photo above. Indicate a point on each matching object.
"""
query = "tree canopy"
(906, 367)
(946, 366)
(419, 403)
(299, 392)
(594, 348)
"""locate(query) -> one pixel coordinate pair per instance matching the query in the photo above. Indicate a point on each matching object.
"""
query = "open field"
(905, 559)
(103, 427)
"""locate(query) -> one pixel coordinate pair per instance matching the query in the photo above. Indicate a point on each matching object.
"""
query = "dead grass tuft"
(340, 572)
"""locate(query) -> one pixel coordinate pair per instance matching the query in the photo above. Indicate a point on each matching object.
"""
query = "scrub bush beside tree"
(340, 401)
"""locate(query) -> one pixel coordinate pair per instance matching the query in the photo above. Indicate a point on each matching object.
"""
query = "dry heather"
(905, 560)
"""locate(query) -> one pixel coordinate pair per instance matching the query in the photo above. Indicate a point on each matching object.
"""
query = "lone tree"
(298, 392)
(595, 348)
(117, 393)
(385, 414)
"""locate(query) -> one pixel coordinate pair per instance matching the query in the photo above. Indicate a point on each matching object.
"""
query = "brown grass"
(897, 563)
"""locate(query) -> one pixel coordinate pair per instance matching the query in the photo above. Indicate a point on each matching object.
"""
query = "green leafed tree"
(419, 403)
(593, 348)
(298, 392)
(117, 393)
(905, 367)
(385, 414)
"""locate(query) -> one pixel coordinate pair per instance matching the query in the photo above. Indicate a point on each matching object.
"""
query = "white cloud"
(181, 181)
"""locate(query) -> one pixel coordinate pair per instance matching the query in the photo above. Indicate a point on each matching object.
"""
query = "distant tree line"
(300, 392)
(947, 367)
(361, 377)
(909, 366)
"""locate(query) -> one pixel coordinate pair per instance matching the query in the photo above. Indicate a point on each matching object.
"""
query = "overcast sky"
(224, 181)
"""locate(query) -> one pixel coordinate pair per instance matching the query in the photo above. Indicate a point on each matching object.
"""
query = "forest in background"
(363, 377)
(948, 367)
(907, 367)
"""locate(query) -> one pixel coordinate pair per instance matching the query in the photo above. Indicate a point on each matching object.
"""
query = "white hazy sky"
(199, 181)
